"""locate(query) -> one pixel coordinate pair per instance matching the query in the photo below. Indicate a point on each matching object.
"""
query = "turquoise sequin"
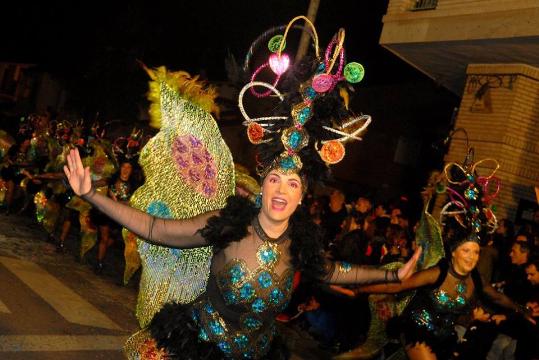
(461, 288)
(294, 140)
(268, 256)
(346, 266)
(230, 297)
(310, 93)
(442, 297)
(265, 280)
(216, 328)
(460, 300)
(470, 194)
(423, 318)
(195, 316)
(241, 341)
(247, 292)
(287, 163)
(258, 306)
(237, 274)
(304, 115)
(203, 336)
(225, 347)
(209, 309)
(276, 296)
(252, 323)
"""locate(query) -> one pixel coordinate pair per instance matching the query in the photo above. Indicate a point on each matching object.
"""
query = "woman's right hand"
(78, 176)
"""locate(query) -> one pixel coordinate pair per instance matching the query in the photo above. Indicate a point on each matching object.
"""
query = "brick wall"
(507, 132)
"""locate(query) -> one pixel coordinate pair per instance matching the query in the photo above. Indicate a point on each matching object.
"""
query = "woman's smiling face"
(465, 257)
(281, 194)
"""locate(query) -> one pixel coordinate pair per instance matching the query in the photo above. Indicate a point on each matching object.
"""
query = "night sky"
(92, 48)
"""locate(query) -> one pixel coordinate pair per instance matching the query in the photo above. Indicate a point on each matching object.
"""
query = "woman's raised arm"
(168, 232)
(346, 274)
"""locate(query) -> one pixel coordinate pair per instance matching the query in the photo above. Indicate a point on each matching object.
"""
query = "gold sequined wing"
(189, 170)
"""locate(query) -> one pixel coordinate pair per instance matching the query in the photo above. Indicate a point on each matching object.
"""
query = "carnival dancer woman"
(452, 287)
(256, 249)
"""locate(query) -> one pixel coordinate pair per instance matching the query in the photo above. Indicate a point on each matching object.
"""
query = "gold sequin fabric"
(174, 188)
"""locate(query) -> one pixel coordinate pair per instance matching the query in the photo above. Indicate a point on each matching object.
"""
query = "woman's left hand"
(408, 269)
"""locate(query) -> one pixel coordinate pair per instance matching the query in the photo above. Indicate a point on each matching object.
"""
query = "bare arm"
(504, 301)
(168, 232)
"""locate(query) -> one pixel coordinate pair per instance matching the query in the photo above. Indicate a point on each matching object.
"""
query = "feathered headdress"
(128, 148)
(312, 122)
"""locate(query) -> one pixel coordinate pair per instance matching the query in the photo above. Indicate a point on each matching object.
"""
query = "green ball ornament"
(440, 188)
(275, 42)
(354, 72)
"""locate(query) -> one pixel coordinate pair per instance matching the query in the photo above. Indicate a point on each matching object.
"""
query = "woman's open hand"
(77, 175)
(408, 269)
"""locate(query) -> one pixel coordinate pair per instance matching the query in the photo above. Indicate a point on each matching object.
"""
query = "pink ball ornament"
(323, 83)
(279, 64)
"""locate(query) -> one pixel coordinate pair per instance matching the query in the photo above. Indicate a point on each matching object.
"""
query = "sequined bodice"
(250, 283)
(453, 295)
(436, 309)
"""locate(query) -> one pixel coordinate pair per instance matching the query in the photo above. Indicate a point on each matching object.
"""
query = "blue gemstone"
(247, 291)
(265, 280)
(202, 335)
(321, 68)
(216, 328)
(304, 115)
(287, 163)
(310, 93)
(225, 347)
(346, 266)
(442, 297)
(241, 341)
(268, 256)
(461, 288)
(236, 274)
(460, 300)
(258, 305)
(470, 194)
(294, 140)
(470, 178)
(276, 296)
(195, 315)
(252, 323)
(209, 309)
(230, 297)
